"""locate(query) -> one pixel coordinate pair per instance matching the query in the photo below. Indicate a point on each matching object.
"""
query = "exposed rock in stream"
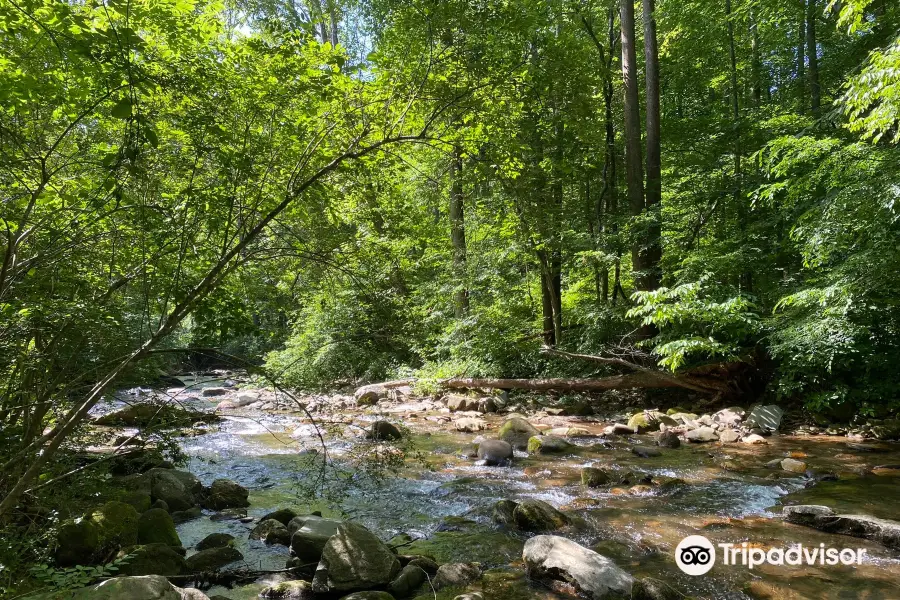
(354, 559)
(883, 531)
(554, 557)
(152, 587)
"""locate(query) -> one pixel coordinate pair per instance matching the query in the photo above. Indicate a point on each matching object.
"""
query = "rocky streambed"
(463, 514)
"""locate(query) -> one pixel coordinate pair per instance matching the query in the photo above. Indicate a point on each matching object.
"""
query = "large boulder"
(310, 536)
(768, 418)
(271, 531)
(282, 515)
(212, 559)
(156, 526)
(153, 559)
(730, 417)
(495, 452)
(516, 431)
(370, 595)
(883, 531)
(354, 559)
(180, 490)
(537, 515)
(117, 525)
(77, 542)
(224, 493)
(548, 444)
(594, 575)
(149, 587)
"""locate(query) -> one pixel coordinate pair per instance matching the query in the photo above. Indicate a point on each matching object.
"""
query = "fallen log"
(616, 382)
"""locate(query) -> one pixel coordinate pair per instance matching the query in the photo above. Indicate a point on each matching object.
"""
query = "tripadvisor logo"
(696, 555)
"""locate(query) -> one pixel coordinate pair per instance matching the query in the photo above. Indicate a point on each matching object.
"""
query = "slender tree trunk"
(547, 301)
(746, 276)
(634, 171)
(333, 21)
(458, 235)
(812, 50)
(756, 70)
(801, 58)
(654, 153)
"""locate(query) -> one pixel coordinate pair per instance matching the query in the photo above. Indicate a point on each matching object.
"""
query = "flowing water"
(727, 495)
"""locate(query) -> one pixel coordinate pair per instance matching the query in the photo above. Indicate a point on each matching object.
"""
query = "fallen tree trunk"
(616, 382)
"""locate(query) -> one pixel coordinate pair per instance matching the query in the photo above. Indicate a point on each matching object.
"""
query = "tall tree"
(815, 99)
(653, 202)
(458, 234)
(634, 171)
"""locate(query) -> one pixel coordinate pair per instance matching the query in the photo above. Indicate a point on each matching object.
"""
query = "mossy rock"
(77, 542)
(594, 477)
(153, 559)
(156, 526)
(537, 515)
(516, 431)
(647, 421)
(136, 498)
(507, 583)
(548, 444)
(503, 513)
(212, 559)
(675, 410)
(215, 540)
(117, 525)
(484, 545)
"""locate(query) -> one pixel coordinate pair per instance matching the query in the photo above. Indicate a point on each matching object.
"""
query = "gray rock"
(594, 477)
(729, 436)
(554, 557)
(516, 431)
(382, 430)
(537, 515)
(470, 425)
(212, 559)
(793, 465)
(768, 418)
(271, 532)
(883, 531)
(354, 559)
(503, 513)
(495, 452)
(180, 490)
(548, 444)
(645, 451)
(157, 526)
(310, 536)
(149, 587)
(457, 575)
(214, 391)
(153, 559)
(215, 540)
(701, 434)
(224, 493)
(410, 578)
(668, 439)
(729, 416)
(283, 516)
(370, 595)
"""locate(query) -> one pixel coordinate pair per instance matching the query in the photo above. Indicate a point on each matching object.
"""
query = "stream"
(727, 494)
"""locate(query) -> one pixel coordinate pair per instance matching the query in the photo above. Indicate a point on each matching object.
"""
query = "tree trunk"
(654, 158)
(615, 382)
(801, 58)
(756, 70)
(547, 301)
(812, 51)
(634, 172)
(458, 235)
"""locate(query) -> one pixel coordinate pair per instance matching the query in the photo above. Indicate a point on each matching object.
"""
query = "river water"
(727, 495)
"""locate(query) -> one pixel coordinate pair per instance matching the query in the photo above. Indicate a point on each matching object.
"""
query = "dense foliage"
(381, 188)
